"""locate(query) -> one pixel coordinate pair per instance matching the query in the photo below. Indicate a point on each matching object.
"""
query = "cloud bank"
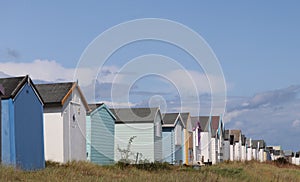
(273, 115)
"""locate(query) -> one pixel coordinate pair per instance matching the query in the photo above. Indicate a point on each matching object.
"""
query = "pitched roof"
(203, 121)
(11, 86)
(54, 93)
(170, 118)
(262, 144)
(135, 115)
(95, 106)
(236, 134)
(215, 122)
(185, 117)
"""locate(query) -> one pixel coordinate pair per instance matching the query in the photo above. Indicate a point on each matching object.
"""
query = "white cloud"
(39, 69)
(51, 71)
(229, 116)
(191, 81)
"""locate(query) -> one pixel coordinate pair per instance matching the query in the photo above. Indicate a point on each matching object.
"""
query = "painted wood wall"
(54, 136)
(158, 153)
(143, 143)
(22, 131)
(168, 145)
(100, 140)
(226, 150)
(69, 121)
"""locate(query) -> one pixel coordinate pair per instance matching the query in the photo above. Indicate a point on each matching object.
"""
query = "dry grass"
(83, 171)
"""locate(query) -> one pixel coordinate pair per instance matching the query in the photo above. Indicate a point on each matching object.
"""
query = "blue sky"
(257, 44)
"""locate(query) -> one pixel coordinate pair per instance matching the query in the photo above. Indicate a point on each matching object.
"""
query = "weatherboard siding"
(158, 151)
(226, 151)
(143, 143)
(196, 148)
(168, 145)
(205, 147)
(102, 137)
(8, 133)
(214, 150)
(88, 137)
(237, 151)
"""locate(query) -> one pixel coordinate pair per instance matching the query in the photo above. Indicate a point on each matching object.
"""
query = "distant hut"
(243, 149)
(188, 138)
(217, 139)
(259, 146)
(226, 147)
(173, 138)
(202, 139)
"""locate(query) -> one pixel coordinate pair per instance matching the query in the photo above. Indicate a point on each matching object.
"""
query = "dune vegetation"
(227, 171)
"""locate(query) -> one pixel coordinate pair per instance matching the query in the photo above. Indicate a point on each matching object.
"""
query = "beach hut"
(202, 139)
(226, 146)
(235, 144)
(64, 121)
(297, 158)
(173, 138)
(22, 144)
(243, 149)
(249, 149)
(100, 134)
(217, 139)
(144, 126)
(260, 147)
(188, 138)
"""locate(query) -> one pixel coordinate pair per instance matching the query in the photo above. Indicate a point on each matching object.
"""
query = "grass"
(228, 171)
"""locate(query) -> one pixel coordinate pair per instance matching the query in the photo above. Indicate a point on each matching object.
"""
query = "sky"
(257, 44)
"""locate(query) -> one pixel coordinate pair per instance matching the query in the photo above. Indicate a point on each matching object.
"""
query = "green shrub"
(281, 161)
(153, 166)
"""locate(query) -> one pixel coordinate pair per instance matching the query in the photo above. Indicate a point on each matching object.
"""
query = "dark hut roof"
(170, 118)
(10, 87)
(54, 93)
(203, 120)
(135, 115)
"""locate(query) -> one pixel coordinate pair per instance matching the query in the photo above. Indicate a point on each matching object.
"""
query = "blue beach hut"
(22, 142)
